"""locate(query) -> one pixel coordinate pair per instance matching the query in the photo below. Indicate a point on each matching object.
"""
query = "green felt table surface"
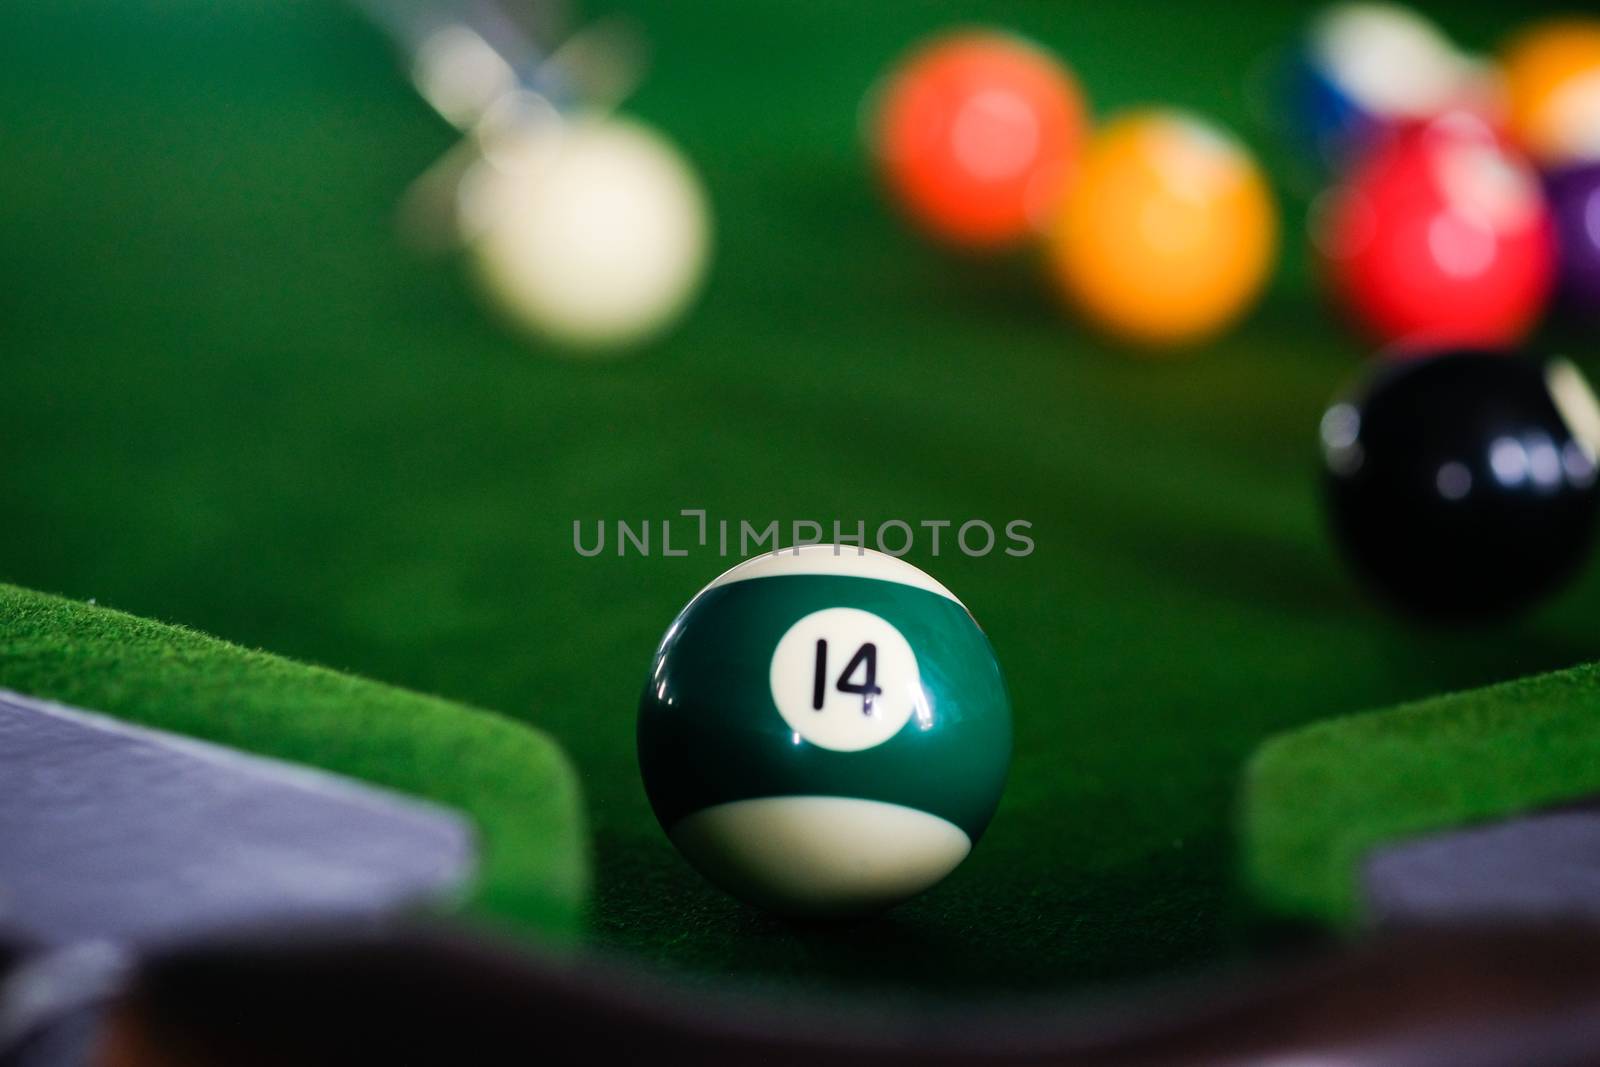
(230, 399)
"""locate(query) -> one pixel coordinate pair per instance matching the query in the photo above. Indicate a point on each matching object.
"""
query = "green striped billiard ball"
(824, 731)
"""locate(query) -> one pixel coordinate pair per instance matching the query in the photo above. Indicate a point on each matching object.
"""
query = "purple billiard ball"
(1575, 203)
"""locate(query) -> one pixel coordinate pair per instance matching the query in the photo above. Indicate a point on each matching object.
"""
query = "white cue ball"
(592, 231)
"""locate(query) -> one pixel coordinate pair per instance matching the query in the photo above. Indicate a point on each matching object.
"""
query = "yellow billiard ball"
(1169, 231)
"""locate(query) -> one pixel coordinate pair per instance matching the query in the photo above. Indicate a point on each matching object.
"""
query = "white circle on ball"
(846, 679)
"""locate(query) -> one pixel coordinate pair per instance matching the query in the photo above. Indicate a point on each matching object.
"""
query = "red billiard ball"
(1440, 236)
(975, 134)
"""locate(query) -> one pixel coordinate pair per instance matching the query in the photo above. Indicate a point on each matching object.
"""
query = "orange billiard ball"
(1168, 231)
(1552, 82)
(975, 134)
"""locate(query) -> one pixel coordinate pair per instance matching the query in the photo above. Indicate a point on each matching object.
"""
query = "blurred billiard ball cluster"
(1462, 210)
(1463, 194)
(1459, 209)
(1157, 226)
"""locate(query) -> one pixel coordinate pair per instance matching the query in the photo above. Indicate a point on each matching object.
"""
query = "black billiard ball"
(1463, 483)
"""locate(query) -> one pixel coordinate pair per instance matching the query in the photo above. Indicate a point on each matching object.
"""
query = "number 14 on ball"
(824, 731)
